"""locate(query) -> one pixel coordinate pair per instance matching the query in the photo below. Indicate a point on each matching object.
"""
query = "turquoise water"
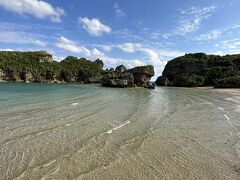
(67, 131)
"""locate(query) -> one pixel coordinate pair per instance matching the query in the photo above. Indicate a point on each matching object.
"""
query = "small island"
(199, 69)
(123, 77)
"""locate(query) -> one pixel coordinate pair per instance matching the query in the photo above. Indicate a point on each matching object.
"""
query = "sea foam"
(74, 104)
(110, 131)
(221, 108)
(226, 116)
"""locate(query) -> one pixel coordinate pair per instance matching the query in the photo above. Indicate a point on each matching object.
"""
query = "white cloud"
(129, 47)
(213, 34)
(223, 53)
(39, 9)
(73, 47)
(14, 37)
(154, 57)
(169, 54)
(119, 13)
(106, 48)
(58, 58)
(18, 37)
(191, 19)
(39, 43)
(152, 53)
(129, 63)
(126, 34)
(96, 53)
(232, 44)
(94, 27)
(70, 46)
(6, 50)
(216, 33)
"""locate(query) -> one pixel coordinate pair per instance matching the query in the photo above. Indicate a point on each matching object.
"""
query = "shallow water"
(90, 132)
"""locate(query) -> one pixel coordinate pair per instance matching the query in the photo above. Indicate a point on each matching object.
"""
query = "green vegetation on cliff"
(200, 69)
(40, 67)
(80, 70)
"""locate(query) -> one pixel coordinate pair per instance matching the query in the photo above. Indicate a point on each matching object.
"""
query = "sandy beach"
(222, 90)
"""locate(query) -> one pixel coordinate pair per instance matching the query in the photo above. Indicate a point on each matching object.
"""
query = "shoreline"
(208, 88)
(221, 90)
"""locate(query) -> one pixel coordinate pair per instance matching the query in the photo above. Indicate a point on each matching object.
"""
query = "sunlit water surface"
(90, 132)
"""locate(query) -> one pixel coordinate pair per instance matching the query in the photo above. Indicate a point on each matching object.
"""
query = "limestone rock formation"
(162, 81)
(29, 77)
(44, 56)
(117, 79)
(142, 76)
(121, 68)
(2, 76)
(122, 77)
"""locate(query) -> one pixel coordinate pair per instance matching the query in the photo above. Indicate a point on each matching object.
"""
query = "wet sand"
(230, 90)
(222, 90)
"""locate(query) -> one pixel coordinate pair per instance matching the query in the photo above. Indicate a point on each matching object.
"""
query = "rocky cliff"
(39, 67)
(123, 77)
(199, 69)
(38, 56)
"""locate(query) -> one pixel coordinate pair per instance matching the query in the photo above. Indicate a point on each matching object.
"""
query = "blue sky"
(125, 32)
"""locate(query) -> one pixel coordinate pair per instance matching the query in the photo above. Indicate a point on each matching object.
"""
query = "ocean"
(79, 131)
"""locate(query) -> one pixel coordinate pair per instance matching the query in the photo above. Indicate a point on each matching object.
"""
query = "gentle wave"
(227, 117)
(221, 108)
(74, 104)
(122, 125)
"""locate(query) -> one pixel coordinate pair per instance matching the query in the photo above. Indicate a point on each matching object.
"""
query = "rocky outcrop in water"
(142, 76)
(118, 78)
(123, 77)
(199, 69)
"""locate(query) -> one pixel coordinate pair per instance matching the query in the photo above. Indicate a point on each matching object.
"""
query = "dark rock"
(118, 79)
(121, 68)
(142, 75)
(162, 81)
(99, 62)
(136, 77)
(95, 79)
(230, 82)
